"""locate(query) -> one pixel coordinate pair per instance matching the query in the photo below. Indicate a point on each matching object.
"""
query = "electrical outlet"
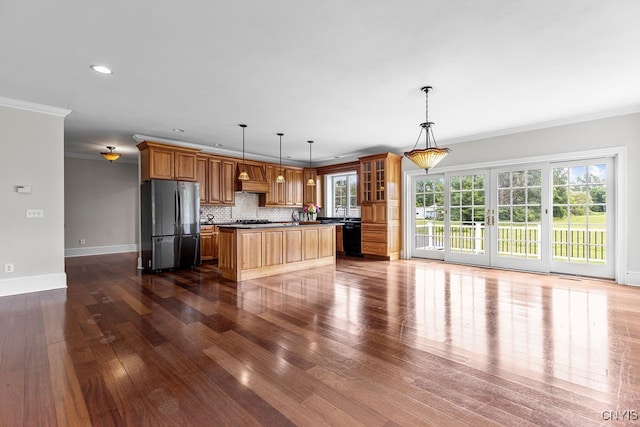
(8, 268)
(82, 241)
(35, 213)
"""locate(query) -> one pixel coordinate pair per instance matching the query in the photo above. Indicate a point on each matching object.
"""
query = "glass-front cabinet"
(380, 185)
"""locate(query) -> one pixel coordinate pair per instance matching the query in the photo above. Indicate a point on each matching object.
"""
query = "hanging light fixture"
(110, 155)
(280, 178)
(431, 155)
(244, 176)
(310, 182)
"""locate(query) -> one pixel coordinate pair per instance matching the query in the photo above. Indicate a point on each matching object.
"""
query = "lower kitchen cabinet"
(339, 243)
(208, 242)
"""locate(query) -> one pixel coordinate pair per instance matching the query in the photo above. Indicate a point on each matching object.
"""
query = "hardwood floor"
(409, 342)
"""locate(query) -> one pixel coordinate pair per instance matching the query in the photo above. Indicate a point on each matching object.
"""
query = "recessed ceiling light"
(101, 69)
(336, 157)
(178, 130)
(218, 144)
(287, 157)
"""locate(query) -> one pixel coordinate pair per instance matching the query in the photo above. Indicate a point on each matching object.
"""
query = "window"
(342, 191)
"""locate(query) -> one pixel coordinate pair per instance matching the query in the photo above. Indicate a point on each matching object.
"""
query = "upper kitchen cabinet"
(288, 193)
(222, 181)
(310, 192)
(216, 176)
(161, 161)
(380, 178)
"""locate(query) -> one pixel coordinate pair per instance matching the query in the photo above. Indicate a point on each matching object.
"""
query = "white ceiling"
(346, 74)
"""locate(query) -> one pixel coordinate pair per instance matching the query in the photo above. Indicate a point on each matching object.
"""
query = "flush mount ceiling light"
(101, 69)
(311, 182)
(110, 155)
(431, 155)
(280, 178)
(244, 176)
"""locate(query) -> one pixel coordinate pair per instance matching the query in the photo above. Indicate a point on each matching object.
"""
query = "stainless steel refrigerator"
(170, 221)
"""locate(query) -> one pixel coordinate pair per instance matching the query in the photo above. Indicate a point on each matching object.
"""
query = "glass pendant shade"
(428, 157)
(431, 154)
(110, 155)
(244, 176)
(280, 178)
(310, 182)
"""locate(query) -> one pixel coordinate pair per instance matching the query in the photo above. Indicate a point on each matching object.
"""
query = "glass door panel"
(428, 235)
(521, 219)
(467, 240)
(582, 229)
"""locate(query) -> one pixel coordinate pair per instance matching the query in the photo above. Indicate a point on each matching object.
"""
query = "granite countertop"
(273, 225)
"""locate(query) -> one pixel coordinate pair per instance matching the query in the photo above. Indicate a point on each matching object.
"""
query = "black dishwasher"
(351, 237)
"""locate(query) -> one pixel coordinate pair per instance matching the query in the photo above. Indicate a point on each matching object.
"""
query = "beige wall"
(32, 154)
(101, 206)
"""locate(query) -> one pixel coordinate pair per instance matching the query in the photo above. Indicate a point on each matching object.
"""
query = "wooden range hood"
(257, 182)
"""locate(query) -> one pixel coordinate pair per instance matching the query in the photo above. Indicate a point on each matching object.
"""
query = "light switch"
(35, 213)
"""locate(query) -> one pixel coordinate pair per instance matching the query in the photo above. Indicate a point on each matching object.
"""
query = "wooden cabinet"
(201, 177)
(208, 242)
(380, 191)
(289, 193)
(249, 253)
(160, 161)
(339, 244)
(216, 176)
(221, 181)
(310, 193)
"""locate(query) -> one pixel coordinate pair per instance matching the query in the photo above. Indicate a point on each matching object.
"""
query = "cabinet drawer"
(374, 233)
(374, 248)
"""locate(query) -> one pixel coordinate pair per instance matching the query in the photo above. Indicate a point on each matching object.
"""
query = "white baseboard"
(23, 285)
(633, 278)
(100, 250)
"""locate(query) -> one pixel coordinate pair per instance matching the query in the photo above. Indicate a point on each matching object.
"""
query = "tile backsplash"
(246, 208)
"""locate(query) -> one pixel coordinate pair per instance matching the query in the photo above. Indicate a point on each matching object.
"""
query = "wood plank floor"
(409, 342)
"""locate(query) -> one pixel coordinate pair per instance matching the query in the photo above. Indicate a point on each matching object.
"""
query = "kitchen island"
(260, 250)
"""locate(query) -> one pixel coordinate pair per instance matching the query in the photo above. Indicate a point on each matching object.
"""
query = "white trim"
(99, 158)
(544, 125)
(100, 250)
(552, 158)
(620, 182)
(27, 284)
(30, 106)
(633, 278)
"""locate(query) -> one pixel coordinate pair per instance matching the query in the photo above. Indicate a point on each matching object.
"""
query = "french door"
(548, 217)
(468, 218)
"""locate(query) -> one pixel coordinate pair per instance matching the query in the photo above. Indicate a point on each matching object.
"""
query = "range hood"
(257, 182)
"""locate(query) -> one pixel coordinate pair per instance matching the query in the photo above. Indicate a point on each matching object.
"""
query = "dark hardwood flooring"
(409, 342)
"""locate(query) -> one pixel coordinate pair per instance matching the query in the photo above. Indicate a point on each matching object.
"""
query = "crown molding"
(544, 125)
(31, 106)
(216, 150)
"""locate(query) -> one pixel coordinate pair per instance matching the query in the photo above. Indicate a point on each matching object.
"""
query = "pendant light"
(110, 155)
(280, 178)
(311, 182)
(431, 155)
(244, 176)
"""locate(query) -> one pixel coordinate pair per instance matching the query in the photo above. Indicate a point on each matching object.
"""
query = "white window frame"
(619, 155)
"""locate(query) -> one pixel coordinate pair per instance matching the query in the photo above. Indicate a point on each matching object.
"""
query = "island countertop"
(249, 251)
(275, 224)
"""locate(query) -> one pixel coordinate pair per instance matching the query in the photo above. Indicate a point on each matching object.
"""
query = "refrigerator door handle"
(177, 210)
